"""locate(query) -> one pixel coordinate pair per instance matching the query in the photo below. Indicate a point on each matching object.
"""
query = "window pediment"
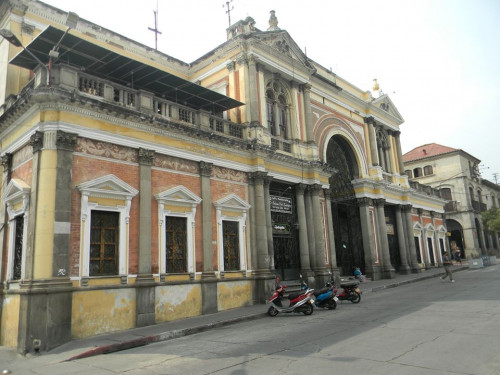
(108, 186)
(232, 203)
(16, 196)
(179, 195)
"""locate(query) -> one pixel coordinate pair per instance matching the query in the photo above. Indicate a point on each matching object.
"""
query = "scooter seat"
(294, 295)
(350, 284)
(321, 291)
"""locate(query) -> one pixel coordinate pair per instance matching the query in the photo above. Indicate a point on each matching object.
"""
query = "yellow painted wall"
(45, 215)
(177, 302)
(99, 311)
(10, 320)
(234, 294)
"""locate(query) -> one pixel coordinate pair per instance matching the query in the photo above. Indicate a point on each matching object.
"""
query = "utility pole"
(228, 11)
(155, 30)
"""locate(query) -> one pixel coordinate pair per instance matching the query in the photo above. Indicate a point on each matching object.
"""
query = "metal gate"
(285, 233)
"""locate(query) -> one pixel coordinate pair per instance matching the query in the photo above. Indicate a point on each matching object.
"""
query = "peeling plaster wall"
(100, 311)
(233, 294)
(177, 302)
(10, 320)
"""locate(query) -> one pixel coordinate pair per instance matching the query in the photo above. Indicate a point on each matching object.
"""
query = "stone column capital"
(364, 202)
(146, 157)
(36, 141)
(205, 168)
(406, 207)
(66, 141)
(370, 120)
(306, 87)
(231, 66)
(6, 161)
(300, 188)
(314, 189)
(258, 177)
(379, 202)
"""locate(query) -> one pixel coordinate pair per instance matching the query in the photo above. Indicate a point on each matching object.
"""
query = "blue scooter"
(325, 298)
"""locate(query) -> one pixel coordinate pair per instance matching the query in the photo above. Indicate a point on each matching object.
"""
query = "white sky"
(439, 60)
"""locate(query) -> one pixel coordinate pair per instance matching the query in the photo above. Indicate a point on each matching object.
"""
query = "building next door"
(285, 231)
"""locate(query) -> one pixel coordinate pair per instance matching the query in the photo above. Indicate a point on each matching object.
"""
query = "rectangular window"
(417, 247)
(104, 238)
(231, 245)
(176, 244)
(18, 247)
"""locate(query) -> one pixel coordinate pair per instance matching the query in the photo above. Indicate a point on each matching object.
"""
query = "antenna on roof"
(228, 11)
(155, 30)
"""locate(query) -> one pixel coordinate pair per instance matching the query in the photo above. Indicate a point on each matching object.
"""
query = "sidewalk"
(113, 342)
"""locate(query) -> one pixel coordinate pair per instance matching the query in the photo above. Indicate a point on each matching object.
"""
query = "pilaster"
(387, 268)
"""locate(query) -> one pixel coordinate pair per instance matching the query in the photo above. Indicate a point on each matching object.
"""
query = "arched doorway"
(345, 210)
(456, 235)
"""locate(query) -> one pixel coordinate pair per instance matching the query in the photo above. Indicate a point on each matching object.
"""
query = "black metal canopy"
(115, 67)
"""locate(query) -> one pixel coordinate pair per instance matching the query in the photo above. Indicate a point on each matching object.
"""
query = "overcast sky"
(439, 60)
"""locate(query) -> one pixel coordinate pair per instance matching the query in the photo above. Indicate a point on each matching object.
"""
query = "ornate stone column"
(206, 207)
(252, 82)
(306, 89)
(406, 210)
(331, 235)
(146, 158)
(372, 261)
(251, 213)
(401, 166)
(263, 262)
(310, 227)
(319, 232)
(145, 292)
(305, 261)
(370, 121)
(403, 251)
(269, 222)
(387, 268)
(6, 163)
(209, 282)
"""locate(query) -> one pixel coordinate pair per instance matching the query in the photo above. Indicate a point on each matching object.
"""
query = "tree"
(491, 219)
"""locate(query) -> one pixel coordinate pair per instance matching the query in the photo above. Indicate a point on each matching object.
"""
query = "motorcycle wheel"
(307, 309)
(332, 305)
(356, 298)
(272, 311)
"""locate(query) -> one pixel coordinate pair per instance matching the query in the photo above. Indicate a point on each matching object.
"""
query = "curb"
(164, 336)
(410, 281)
(169, 335)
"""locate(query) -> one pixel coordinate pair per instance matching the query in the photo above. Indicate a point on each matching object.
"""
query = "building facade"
(139, 189)
(456, 174)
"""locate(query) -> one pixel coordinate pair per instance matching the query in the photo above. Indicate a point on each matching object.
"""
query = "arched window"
(417, 172)
(479, 197)
(446, 194)
(278, 109)
(428, 170)
(409, 173)
(383, 149)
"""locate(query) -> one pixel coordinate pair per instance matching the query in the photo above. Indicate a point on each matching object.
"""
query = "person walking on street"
(447, 267)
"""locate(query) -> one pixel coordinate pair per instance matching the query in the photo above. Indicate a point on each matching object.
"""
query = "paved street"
(428, 327)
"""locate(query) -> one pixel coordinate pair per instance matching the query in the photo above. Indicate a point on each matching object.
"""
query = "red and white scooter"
(299, 302)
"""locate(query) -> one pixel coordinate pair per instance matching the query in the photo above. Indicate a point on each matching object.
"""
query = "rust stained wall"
(234, 294)
(99, 311)
(10, 320)
(177, 302)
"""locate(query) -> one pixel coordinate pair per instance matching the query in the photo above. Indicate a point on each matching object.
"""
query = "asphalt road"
(429, 327)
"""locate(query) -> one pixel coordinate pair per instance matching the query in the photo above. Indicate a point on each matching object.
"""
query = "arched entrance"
(345, 210)
(456, 235)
